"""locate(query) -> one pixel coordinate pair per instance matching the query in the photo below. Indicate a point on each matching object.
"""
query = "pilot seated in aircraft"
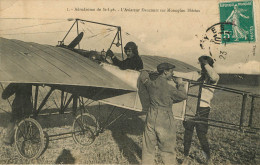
(160, 126)
(208, 76)
(21, 106)
(133, 60)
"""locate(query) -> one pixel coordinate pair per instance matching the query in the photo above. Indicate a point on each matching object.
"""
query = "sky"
(167, 31)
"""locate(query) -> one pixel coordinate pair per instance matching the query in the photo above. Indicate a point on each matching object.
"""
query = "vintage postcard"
(74, 77)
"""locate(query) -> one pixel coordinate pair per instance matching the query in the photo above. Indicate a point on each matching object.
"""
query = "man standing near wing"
(21, 106)
(208, 76)
(133, 60)
(160, 126)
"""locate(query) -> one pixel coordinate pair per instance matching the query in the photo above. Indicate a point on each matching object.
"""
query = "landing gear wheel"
(85, 128)
(29, 138)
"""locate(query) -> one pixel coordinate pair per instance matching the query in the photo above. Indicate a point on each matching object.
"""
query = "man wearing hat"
(208, 76)
(133, 60)
(160, 126)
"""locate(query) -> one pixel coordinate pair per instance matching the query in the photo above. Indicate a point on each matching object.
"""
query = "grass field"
(121, 142)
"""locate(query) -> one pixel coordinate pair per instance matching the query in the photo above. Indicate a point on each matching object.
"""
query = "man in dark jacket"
(160, 126)
(21, 106)
(133, 60)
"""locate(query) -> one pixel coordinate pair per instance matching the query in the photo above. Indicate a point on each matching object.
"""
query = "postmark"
(215, 39)
(236, 25)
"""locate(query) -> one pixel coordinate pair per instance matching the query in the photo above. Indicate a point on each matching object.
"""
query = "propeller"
(76, 41)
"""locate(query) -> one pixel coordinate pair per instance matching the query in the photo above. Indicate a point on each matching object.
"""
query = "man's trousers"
(160, 129)
(201, 129)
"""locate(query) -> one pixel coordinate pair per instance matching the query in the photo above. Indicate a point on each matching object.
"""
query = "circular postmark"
(216, 39)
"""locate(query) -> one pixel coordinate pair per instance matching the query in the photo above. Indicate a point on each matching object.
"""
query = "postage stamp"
(241, 15)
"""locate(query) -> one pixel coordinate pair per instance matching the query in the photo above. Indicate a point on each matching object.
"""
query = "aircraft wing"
(27, 62)
(151, 62)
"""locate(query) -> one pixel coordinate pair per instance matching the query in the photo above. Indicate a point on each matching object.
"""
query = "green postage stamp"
(240, 17)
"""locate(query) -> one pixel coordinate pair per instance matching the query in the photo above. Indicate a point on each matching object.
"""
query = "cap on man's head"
(131, 45)
(164, 66)
(208, 58)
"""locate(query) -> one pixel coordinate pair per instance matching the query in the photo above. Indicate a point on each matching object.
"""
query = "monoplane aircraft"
(83, 76)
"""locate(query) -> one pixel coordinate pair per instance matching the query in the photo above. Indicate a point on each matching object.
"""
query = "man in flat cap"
(160, 126)
(133, 60)
(208, 76)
